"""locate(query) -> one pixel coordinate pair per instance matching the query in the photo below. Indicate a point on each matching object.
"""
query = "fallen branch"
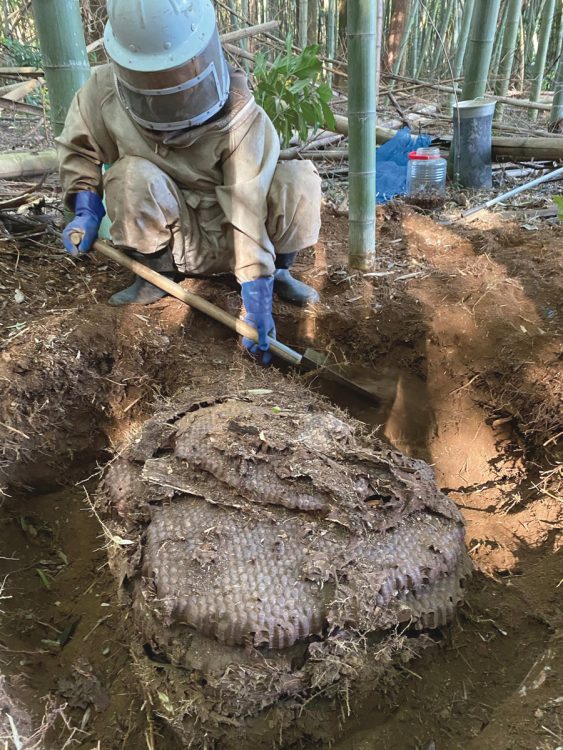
(6, 89)
(33, 72)
(26, 164)
(261, 28)
(382, 134)
(330, 154)
(232, 36)
(22, 198)
(20, 91)
(10, 106)
(524, 103)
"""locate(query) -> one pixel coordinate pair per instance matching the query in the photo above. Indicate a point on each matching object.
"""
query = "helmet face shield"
(175, 78)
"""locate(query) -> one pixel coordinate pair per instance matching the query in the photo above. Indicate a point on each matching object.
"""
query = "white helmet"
(170, 69)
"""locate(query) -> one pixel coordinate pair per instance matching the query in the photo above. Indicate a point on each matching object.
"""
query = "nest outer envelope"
(280, 554)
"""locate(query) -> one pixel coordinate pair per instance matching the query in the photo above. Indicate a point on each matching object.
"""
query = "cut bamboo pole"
(230, 37)
(480, 48)
(61, 38)
(25, 164)
(382, 134)
(7, 105)
(541, 56)
(9, 72)
(11, 87)
(20, 91)
(361, 122)
(335, 154)
(261, 28)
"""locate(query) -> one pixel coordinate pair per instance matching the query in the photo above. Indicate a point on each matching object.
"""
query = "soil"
(458, 335)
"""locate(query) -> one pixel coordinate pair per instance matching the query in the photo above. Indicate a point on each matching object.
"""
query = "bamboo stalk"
(480, 48)
(331, 30)
(399, 11)
(406, 37)
(61, 38)
(361, 120)
(25, 164)
(557, 107)
(461, 46)
(378, 48)
(513, 15)
(303, 22)
(539, 63)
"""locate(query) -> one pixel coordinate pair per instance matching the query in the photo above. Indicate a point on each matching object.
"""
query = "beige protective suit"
(214, 193)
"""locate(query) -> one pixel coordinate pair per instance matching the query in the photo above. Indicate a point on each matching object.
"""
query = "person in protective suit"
(194, 185)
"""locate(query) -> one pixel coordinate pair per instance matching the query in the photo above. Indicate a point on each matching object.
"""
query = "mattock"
(311, 360)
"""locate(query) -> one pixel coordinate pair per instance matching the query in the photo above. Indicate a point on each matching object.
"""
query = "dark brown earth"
(461, 329)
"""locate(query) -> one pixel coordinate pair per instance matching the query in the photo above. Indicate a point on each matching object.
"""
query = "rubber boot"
(289, 289)
(142, 292)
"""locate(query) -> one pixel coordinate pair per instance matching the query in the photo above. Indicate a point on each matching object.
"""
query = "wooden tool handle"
(191, 299)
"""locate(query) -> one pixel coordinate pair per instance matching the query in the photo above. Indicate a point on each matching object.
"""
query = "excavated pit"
(469, 379)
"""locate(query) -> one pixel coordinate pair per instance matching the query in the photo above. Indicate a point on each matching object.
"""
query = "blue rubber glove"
(88, 214)
(257, 299)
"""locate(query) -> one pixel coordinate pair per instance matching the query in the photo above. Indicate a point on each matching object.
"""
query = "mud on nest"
(272, 556)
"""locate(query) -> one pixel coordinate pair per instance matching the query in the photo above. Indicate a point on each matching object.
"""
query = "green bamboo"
(378, 46)
(410, 63)
(559, 47)
(233, 14)
(440, 35)
(405, 40)
(303, 22)
(480, 48)
(512, 26)
(541, 56)
(312, 21)
(498, 42)
(557, 107)
(361, 121)
(331, 26)
(61, 39)
(461, 46)
(428, 35)
(398, 14)
(244, 14)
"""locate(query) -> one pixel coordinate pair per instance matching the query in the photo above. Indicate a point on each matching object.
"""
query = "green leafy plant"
(291, 93)
(21, 54)
(558, 200)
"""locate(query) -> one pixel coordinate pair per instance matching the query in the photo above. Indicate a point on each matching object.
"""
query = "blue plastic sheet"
(391, 164)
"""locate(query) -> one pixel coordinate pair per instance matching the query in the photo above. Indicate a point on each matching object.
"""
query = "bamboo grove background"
(423, 39)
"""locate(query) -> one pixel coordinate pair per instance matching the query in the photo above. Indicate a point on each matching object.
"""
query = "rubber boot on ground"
(142, 292)
(290, 289)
